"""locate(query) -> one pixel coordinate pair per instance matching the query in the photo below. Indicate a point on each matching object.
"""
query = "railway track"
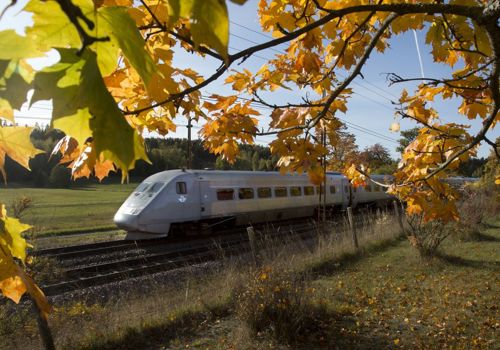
(107, 262)
(155, 256)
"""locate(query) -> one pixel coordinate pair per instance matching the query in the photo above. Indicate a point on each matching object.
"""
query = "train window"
(264, 192)
(180, 187)
(355, 189)
(368, 188)
(245, 193)
(295, 191)
(225, 194)
(332, 189)
(308, 190)
(377, 188)
(280, 192)
(346, 189)
(142, 187)
(155, 187)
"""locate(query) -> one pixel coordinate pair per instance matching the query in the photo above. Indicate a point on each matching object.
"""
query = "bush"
(426, 236)
(20, 206)
(281, 305)
(473, 208)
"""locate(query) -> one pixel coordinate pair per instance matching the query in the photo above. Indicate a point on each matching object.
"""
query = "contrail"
(418, 52)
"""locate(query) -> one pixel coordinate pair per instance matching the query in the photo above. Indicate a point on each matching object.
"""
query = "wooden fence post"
(352, 227)
(251, 241)
(399, 216)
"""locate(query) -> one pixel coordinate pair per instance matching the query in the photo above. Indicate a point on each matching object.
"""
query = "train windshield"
(142, 187)
(155, 187)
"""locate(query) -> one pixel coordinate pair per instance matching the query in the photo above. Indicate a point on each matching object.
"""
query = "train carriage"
(181, 198)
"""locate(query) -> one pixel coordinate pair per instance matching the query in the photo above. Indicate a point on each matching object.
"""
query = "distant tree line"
(164, 154)
(171, 153)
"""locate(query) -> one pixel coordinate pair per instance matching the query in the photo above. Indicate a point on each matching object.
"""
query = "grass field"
(69, 210)
(389, 299)
(385, 297)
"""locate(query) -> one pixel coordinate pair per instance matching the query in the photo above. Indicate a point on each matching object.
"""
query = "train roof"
(168, 175)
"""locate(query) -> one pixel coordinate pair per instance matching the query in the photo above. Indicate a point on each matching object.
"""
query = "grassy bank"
(384, 296)
(68, 210)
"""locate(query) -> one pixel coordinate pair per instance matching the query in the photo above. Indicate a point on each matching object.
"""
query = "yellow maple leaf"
(15, 142)
(13, 288)
(14, 282)
(6, 111)
(356, 177)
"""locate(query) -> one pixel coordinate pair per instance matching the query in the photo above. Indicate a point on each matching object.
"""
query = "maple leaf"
(15, 82)
(356, 177)
(122, 30)
(15, 143)
(14, 282)
(83, 108)
(15, 47)
(208, 19)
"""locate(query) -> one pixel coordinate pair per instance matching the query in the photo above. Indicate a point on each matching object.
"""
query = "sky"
(370, 110)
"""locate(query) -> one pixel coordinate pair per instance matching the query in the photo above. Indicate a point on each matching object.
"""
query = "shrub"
(20, 206)
(474, 207)
(281, 305)
(426, 236)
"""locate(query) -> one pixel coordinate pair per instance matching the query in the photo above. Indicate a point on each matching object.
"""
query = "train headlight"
(131, 211)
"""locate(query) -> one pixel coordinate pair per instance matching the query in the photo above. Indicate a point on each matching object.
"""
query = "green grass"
(64, 240)
(69, 210)
(390, 299)
(385, 297)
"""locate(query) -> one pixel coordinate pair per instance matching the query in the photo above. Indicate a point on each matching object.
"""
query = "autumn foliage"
(115, 80)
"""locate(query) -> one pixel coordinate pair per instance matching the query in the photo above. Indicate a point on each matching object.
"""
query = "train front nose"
(127, 222)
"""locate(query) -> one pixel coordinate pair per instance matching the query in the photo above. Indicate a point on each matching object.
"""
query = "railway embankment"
(292, 296)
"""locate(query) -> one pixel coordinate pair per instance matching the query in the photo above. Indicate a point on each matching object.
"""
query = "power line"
(354, 126)
(251, 30)
(374, 101)
(256, 43)
(254, 55)
(281, 52)
(259, 105)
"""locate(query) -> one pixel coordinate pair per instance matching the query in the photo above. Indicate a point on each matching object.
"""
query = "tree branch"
(494, 146)
(181, 94)
(74, 14)
(12, 3)
(494, 35)
(474, 12)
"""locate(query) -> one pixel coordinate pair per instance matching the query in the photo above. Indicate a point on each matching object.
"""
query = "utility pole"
(324, 176)
(189, 126)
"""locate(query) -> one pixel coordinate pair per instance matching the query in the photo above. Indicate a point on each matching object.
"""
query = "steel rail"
(129, 268)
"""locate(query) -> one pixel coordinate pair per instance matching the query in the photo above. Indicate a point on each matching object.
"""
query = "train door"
(187, 198)
(205, 200)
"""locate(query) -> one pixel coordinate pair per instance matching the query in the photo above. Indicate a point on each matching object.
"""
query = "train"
(179, 201)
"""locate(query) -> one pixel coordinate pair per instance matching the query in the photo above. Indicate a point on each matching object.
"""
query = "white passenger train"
(176, 199)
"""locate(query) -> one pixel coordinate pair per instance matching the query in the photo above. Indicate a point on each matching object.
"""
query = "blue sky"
(370, 110)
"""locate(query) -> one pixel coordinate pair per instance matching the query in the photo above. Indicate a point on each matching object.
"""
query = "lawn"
(387, 299)
(82, 208)
(383, 297)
